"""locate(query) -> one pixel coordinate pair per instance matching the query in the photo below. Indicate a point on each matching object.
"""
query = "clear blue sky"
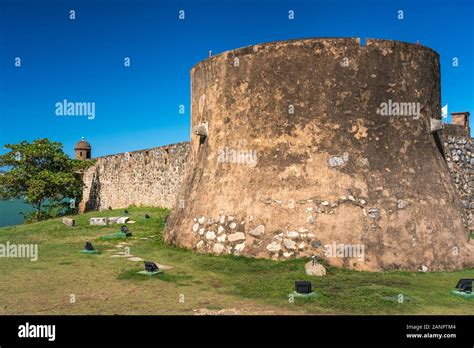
(138, 107)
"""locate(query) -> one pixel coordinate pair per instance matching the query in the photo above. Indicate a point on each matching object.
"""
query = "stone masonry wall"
(148, 177)
(292, 153)
(458, 148)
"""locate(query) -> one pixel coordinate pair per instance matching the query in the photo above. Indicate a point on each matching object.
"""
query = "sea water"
(10, 212)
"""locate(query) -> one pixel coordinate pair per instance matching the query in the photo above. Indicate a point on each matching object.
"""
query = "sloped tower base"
(298, 150)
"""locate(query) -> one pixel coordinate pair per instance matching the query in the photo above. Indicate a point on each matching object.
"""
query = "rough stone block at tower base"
(321, 147)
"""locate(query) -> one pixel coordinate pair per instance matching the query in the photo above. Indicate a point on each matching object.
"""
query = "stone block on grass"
(113, 219)
(101, 221)
(69, 222)
(122, 220)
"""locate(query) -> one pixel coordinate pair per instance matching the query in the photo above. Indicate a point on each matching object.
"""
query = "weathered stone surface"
(69, 222)
(458, 150)
(239, 247)
(289, 244)
(101, 221)
(299, 125)
(315, 270)
(274, 247)
(335, 161)
(113, 219)
(122, 220)
(293, 234)
(163, 267)
(234, 237)
(210, 235)
(218, 248)
(148, 177)
(257, 231)
(373, 213)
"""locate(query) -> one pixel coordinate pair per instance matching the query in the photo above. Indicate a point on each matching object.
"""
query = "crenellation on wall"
(148, 177)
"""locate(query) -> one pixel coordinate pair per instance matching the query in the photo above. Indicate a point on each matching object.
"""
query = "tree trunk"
(38, 210)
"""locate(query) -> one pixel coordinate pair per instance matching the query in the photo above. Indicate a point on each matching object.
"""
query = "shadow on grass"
(132, 274)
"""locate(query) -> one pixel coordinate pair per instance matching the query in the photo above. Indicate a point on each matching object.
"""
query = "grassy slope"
(105, 285)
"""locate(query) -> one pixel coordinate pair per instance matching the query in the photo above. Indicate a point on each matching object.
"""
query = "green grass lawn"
(63, 281)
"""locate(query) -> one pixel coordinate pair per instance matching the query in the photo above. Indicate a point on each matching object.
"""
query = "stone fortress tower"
(82, 150)
(297, 145)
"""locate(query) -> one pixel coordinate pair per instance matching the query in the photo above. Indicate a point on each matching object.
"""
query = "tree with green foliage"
(41, 172)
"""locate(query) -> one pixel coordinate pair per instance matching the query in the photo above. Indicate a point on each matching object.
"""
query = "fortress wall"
(298, 156)
(148, 177)
(458, 148)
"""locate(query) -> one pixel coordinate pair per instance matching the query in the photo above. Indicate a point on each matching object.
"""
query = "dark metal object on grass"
(303, 287)
(151, 266)
(124, 229)
(464, 285)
